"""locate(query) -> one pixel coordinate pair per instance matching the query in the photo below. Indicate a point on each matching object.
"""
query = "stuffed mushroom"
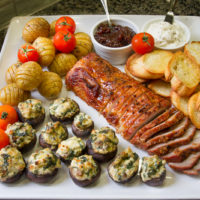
(84, 170)
(52, 134)
(70, 148)
(63, 110)
(22, 136)
(153, 171)
(102, 144)
(31, 111)
(82, 125)
(124, 167)
(42, 166)
(12, 164)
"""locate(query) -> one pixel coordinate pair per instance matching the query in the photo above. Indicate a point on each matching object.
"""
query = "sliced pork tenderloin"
(193, 171)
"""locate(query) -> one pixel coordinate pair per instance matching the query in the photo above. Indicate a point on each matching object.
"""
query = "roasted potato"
(46, 50)
(29, 76)
(52, 28)
(34, 28)
(62, 63)
(51, 85)
(12, 95)
(83, 45)
(10, 73)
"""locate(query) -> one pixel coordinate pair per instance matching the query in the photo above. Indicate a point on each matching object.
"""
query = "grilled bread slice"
(156, 61)
(160, 87)
(192, 50)
(185, 74)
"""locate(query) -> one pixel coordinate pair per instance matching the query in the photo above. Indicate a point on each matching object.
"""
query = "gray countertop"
(135, 7)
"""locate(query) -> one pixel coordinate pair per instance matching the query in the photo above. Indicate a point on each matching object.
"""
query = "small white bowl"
(115, 55)
(181, 24)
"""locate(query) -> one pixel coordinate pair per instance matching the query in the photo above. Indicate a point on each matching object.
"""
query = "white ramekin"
(115, 55)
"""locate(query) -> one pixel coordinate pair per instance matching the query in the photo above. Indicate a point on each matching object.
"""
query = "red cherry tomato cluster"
(64, 39)
(142, 43)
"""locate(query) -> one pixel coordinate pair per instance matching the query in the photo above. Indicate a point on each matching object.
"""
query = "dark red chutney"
(113, 36)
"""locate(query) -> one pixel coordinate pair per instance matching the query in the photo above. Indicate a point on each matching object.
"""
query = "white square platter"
(176, 186)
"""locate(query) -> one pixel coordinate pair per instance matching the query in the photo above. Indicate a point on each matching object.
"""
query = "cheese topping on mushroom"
(83, 121)
(31, 108)
(11, 162)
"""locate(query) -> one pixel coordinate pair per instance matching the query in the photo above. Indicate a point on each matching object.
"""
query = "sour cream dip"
(167, 35)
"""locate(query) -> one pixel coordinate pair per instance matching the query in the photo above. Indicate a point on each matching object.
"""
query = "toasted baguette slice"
(185, 74)
(192, 50)
(194, 109)
(156, 61)
(160, 87)
(180, 102)
(135, 67)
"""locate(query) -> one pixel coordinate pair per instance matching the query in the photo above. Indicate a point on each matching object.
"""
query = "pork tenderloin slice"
(188, 163)
(193, 171)
(158, 120)
(145, 118)
(165, 136)
(182, 152)
(171, 121)
(164, 148)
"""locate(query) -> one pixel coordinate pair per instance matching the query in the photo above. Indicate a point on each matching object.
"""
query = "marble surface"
(135, 7)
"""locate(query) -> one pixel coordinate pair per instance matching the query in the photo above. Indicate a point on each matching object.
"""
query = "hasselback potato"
(46, 50)
(52, 27)
(12, 95)
(83, 45)
(51, 85)
(10, 73)
(62, 63)
(34, 28)
(29, 75)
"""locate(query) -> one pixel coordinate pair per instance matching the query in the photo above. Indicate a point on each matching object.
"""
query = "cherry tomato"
(27, 53)
(4, 139)
(65, 24)
(8, 115)
(142, 43)
(64, 41)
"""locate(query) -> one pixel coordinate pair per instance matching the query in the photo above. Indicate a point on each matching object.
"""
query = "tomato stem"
(25, 51)
(4, 115)
(67, 37)
(146, 39)
(65, 23)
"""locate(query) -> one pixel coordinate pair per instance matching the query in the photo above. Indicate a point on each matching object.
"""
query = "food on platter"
(35, 28)
(194, 109)
(135, 66)
(124, 167)
(65, 23)
(192, 50)
(12, 164)
(185, 75)
(31, 111)
(84, 170)
(27, 53)
(45, 49)
(51, 85)
(10, 73)
(156, 61)
(4, 139)
(180, 102)
(70, 148)
(6, 95)
(63, 110)
(52, 28)
(42, 166)
(114, 35)
(8, 115)
(64, 41)
(83, 45)
(22, 136)
(142, 43)
(160, 87)
(62, 63)
(52, 134)
(82, 125)
(102, 144)
(153, 171)
(28, 76)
